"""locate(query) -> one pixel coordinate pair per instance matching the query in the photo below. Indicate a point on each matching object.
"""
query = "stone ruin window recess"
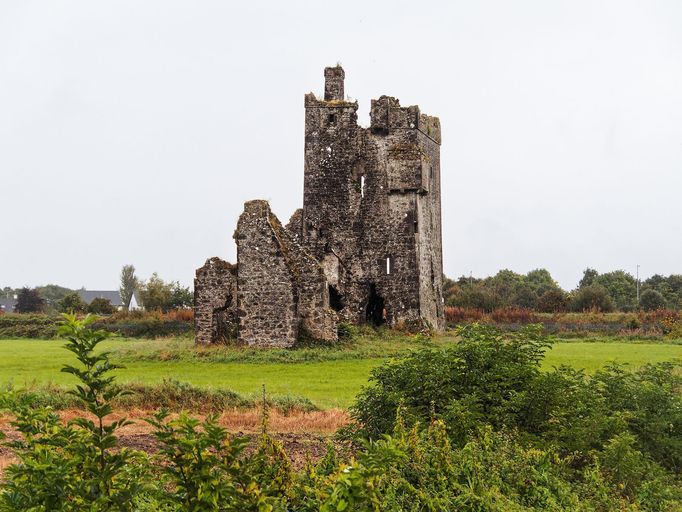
(362, 186)
(375, 312)
(332, 119)
(389, 265)
(336, 301)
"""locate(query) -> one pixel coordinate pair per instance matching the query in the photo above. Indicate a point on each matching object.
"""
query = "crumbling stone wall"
(281, 290)
(215, 294)
(365, 247)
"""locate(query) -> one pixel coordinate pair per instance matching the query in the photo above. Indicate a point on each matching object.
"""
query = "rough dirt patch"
(303, 434)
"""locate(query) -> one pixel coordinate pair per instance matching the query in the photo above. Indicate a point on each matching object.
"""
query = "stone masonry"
(365, 248)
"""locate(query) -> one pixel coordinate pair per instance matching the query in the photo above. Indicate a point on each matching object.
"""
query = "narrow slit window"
(332, 118)
(389, 264)
(362, 186)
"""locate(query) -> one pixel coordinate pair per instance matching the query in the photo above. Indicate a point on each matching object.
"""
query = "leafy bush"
(71, 303)
(553, 301)
(592, 298)
(493, 379)
(100, 306)
(652, 300)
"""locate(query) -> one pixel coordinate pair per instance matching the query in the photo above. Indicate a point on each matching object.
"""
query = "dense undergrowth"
(472, 427)
(651, 325)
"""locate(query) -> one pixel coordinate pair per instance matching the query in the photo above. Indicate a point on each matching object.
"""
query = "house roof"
(113, 296)
(7, 305)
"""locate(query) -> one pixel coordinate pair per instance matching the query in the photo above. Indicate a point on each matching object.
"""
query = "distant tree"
(593, 297)
(156, 294)
(129, 285)
(101, 306)
(29, 301)
(505, 284)
(589, 275)
(181, 297)
(622, 288)
(53, 293)
(449, 288)
(477, 297)
(652, 300)
(670, 287)
(553, 301)
(541, 280)
(525, 296)
(71, 303)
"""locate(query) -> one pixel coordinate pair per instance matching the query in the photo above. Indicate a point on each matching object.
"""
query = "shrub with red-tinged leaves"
(512, 315)
(457, 315)
(659, 315)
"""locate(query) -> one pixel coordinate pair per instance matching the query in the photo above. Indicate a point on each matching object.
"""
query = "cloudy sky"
(133, 132)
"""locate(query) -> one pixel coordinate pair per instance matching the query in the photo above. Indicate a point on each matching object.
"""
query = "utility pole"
(638, 285)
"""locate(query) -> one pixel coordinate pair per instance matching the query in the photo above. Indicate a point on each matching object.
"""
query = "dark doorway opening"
(335, 299)
(375, 311)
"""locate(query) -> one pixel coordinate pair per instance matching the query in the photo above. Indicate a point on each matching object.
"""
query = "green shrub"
(592, 298)
(651, 300)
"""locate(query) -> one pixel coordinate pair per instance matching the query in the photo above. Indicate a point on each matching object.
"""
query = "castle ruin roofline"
(313, 101)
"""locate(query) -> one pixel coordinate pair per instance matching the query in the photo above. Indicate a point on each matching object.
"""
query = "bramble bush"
(476, 427)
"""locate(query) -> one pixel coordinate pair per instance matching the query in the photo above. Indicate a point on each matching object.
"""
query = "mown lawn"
(328, 377)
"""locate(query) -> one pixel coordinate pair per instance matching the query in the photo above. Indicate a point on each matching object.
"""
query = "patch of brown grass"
(239, 420)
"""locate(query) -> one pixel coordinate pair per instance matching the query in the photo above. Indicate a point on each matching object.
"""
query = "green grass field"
(330, 377)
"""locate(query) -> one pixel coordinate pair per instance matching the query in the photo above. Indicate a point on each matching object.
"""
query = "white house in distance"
(113, 296)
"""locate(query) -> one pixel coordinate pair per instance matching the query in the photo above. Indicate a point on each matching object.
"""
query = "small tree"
(129, 284)
(72, 303)
(101, 306)
(589, 275)
(29, 301)
(652, 300)
(181, 297)
(156, 294)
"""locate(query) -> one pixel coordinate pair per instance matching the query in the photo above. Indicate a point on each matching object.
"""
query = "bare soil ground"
(302, 434)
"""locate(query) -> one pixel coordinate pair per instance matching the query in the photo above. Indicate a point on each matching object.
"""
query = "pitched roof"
(113, 296)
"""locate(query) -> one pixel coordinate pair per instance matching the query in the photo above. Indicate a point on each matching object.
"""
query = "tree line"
(153, 294)
(537, 290)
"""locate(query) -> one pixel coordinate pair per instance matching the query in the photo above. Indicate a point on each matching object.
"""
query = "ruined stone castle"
(365, 248)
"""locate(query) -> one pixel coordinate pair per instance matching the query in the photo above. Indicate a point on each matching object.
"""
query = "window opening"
(362, 186)
(332, 118)
(335, 299)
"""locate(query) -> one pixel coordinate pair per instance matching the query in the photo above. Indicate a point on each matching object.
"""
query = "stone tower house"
(365, 247)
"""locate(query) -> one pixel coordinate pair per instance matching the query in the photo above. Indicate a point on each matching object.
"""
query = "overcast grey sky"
(133, 131)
